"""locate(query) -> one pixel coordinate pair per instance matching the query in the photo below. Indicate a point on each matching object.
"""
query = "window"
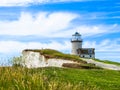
(89, 51)
(90, 56)
(83, 56)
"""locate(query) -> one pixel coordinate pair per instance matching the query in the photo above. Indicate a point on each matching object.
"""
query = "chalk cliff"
(33, 59)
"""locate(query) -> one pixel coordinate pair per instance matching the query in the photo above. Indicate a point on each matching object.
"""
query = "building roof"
(86, 51)
(77, 34)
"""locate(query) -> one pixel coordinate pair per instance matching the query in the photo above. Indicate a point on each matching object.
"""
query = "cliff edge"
(35, 58)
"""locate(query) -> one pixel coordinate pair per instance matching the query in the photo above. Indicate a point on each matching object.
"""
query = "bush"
(17, 61)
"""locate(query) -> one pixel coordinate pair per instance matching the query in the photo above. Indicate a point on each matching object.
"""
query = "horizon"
(31, 24)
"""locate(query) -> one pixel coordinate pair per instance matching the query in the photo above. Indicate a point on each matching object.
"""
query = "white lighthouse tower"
(76, 43)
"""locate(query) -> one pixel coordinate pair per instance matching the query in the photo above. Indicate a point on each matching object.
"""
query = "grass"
(107, 62)
(17, 78)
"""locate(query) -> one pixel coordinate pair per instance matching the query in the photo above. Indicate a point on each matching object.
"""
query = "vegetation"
(18, 78)
(87, 77)
(107, 62)
(16, 61)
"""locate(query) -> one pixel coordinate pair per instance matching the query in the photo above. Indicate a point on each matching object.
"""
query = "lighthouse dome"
(76, 33)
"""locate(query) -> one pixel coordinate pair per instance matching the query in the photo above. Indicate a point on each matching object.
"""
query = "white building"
(77, 47)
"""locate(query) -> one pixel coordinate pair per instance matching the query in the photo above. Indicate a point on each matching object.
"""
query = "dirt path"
(103, 65)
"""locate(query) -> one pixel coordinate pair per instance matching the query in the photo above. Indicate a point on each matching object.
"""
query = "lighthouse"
(77, 47)
(76, 43)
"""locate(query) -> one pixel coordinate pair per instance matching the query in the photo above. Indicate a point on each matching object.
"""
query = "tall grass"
(17, 78)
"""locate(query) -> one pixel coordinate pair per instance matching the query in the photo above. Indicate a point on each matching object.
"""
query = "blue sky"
(40, 24)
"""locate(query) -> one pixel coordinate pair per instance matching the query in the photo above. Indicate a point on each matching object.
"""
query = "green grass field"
(18, 78)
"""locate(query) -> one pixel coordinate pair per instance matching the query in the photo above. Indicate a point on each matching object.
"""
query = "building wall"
(86, 52)
(87, 55)
(75, 46)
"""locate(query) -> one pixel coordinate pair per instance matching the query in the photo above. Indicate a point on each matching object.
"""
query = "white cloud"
(57, 24)
(27, 2)
(14, 2)
(16, 46)
(43, 24)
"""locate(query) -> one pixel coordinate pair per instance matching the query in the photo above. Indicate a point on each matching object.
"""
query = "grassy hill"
(51, 78)
(50, 53)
